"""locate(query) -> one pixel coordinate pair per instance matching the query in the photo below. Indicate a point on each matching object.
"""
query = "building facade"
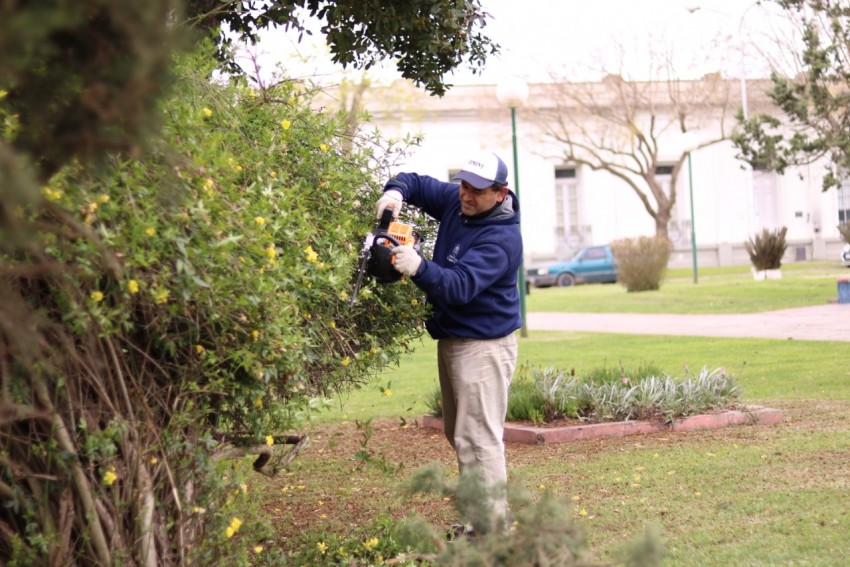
(568, 205)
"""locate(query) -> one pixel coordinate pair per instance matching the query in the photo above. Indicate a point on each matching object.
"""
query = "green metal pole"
(523, 332)
(693, 227)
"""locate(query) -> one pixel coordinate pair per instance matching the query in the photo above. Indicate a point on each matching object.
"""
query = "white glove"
(392, 199)
(406, 260)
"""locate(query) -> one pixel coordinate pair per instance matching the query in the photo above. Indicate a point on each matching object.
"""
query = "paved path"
(829, 322)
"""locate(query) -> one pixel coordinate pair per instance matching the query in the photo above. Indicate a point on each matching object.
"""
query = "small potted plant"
(766, 251)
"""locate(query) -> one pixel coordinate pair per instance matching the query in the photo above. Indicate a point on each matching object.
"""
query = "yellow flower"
(103, 198)
(343, 295)
(311, 255)
(273, 174)
(52, 194)
(388, 393)
(285, 124)
(207, 112)
(271, 252)
(374, 350)
(258, 403)
(323, 547)
(258, 549)
(414, 302)
(582, 512)
(133, 286)
(332, 324)
(110, 477)
(260, 221)
(97, 296)
(370, 543)
(324, 147)
(269, 440)
(162, 297)
(208, 183)
(255, 334)
(345, 361)
(200, 349)
(235, 524)
(150, 231)
(153, 460)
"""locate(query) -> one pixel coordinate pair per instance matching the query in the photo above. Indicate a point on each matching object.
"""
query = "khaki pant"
(474, 379)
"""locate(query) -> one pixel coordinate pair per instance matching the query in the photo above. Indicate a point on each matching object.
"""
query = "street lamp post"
(513, 92)
(693, 227)
(690, 142)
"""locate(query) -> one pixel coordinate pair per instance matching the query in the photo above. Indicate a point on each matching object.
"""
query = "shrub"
(767, 249)
(543, 532)
(641, 262)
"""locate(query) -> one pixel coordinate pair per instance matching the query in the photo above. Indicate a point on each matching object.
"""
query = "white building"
(565, 206)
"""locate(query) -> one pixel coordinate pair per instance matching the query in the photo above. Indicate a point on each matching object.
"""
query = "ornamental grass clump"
(844, 231)
(547, 395)
(767, 249)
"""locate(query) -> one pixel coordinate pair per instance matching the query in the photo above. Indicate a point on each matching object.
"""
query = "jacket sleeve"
(431, 195)
(479, 268)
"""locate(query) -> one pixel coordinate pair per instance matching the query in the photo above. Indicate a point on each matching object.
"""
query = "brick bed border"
(752, 415)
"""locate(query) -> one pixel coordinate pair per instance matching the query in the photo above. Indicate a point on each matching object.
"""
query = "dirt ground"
(333, 490)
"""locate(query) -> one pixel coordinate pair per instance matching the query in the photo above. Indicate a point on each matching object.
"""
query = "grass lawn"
(747, 495)
(719, 290)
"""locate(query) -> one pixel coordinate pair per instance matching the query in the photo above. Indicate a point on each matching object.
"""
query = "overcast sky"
(576, 38)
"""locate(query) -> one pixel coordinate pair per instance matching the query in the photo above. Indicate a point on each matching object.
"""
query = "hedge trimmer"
(376, 257)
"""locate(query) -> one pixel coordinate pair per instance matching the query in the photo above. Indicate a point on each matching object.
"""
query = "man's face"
(476, 201)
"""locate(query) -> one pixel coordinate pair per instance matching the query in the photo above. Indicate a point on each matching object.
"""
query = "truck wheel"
(566, 280)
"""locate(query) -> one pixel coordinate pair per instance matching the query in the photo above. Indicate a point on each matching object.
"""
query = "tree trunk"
(662, 222)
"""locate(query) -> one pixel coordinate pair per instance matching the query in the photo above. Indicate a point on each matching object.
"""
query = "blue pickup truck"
(590, 264)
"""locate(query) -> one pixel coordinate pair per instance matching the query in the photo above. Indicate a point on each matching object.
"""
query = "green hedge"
(191, 300)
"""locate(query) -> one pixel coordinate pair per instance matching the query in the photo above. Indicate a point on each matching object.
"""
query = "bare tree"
(618, 125)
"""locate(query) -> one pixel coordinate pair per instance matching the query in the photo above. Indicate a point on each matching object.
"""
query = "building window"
(679, 228)
(765, 199)
(844, 201)
(569, 232)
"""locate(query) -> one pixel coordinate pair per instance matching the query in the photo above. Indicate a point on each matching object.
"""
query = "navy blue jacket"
(471, 283)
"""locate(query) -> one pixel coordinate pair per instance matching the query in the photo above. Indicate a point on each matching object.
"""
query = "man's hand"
(406, 260)
(391, 198)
